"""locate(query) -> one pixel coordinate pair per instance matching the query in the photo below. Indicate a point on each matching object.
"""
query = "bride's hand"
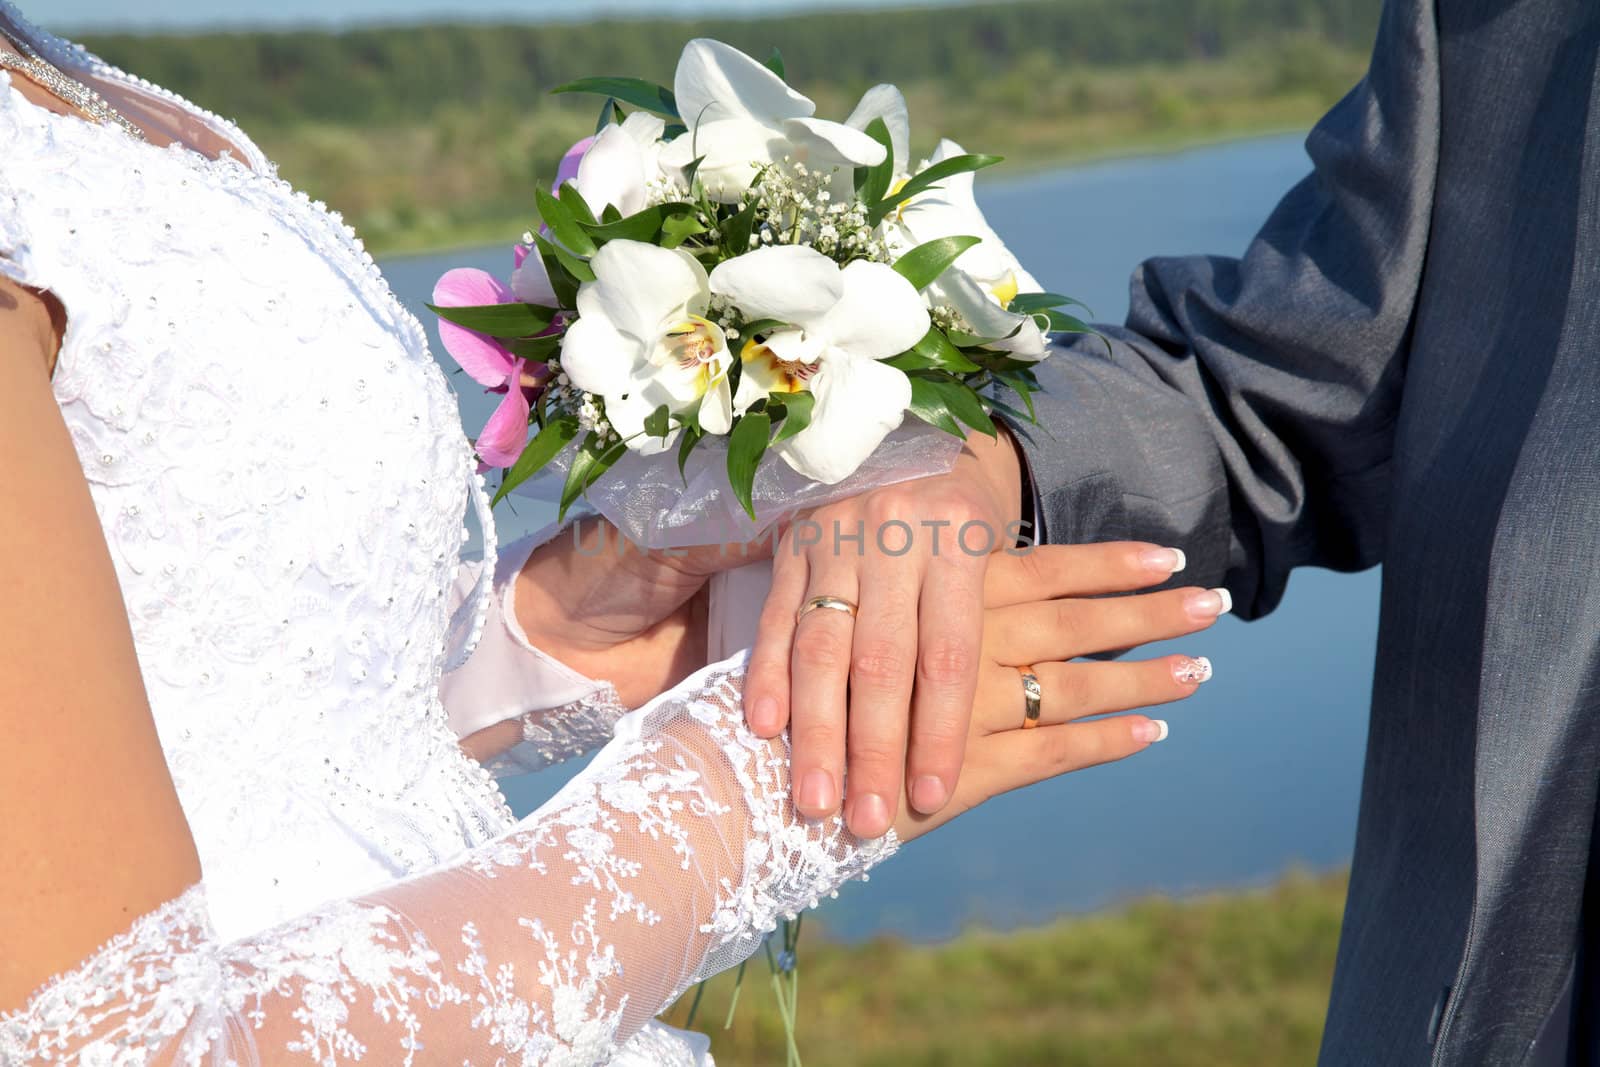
(1043, 609)
(609, 609)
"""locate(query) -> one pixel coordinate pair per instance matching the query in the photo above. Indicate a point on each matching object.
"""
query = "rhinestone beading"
(75, 94)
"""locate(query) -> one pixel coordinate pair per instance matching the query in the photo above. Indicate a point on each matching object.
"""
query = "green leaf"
(761, 328)
(934, 352)
(659, 422)
(563, 225)
(880, 177)
(576, 269)
(1061, 322)
(972, 340)
(574, 202)
(737, 230)
(1012, 413)
(674, 131)
(1022, 387)
(590, 462)
(928, 404)
(679, 227)
(634, 91)
(1025, 303)
(692, 436)
(962, 402)
(500, 320)
(775, 63)
(927, 180)
(797, 409)
(995, 362)
(692, 171)
(644, 226)
(538, 349)
(562, 280)
(923, 264)
(608, 113)
(746, 445)
(555, 436)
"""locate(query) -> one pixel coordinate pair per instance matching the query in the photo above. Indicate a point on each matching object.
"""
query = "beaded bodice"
(282, 478)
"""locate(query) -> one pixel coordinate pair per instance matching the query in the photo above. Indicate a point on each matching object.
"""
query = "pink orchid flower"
(488, 360)
(570, 163)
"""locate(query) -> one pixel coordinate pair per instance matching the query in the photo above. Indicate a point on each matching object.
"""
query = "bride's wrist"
(610, 613)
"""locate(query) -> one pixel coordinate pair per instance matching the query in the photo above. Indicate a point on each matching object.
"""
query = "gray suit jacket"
(1403, 369)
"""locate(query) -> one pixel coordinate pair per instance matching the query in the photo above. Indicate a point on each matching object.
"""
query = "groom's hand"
(913, 557)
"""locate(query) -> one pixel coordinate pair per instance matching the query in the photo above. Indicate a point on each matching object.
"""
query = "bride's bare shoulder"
(93, 834)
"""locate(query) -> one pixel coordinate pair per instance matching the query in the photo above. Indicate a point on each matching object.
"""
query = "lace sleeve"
(562, 712)
(665, 861)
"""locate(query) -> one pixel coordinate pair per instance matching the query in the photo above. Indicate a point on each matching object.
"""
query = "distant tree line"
(407, 73)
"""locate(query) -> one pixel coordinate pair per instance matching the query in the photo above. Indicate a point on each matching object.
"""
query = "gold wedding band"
(1032, 697)
(825, 603)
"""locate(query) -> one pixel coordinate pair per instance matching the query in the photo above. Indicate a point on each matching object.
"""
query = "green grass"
(466, 174)
(1230, 980)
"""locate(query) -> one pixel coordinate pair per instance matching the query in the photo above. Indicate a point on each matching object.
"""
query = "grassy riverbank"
(1233, 980)
(428, 136)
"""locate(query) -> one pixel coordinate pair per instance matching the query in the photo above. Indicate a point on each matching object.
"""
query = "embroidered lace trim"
(666, 860)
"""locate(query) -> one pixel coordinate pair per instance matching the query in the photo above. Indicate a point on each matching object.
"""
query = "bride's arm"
(92, 823)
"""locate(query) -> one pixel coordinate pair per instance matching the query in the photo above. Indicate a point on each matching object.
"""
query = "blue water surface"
(1263, 767)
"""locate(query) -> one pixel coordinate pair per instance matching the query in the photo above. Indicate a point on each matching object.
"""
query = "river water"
(1263, 768)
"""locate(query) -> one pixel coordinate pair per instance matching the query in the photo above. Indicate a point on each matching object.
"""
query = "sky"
(162, 14)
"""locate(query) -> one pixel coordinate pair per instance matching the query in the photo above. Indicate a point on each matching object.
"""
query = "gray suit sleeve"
(1247, 411)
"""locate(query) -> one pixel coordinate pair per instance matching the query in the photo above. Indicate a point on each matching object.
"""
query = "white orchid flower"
(742, 117)
(620, 165)
(642, 340)
(987, 277)
(840, 323)
(887, 103)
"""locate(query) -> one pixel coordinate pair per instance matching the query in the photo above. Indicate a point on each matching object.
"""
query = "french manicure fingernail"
(1208, 604)
(928, 794)
(1165, 560)
(1192, 670)
(871, 814)
(816, 791)
(764, 716)
(1150, 731)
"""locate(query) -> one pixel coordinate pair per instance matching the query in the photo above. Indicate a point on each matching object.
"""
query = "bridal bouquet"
(732, 298)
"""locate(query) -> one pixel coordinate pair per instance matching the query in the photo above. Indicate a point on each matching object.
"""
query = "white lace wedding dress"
(282, 478)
